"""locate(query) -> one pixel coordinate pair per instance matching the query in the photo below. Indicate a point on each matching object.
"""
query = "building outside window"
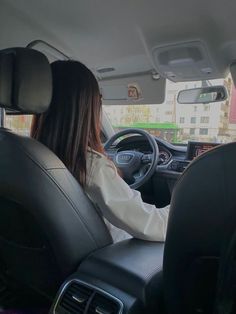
(19, 124)
(181, 120)
(192, 131)
(203, 131)
(193, 120)
(204, 120)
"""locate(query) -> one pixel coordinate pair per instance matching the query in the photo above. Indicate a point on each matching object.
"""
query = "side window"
(19, 124)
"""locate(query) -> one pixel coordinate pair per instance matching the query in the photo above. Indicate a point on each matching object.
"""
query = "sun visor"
(140, 89)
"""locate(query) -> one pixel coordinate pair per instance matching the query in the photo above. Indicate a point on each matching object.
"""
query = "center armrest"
(133, 266)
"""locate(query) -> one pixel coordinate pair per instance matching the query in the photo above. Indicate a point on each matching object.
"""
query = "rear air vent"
(78, 297)
(74, 299)
(102, 304)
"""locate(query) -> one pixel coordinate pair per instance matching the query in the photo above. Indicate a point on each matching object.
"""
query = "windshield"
(179, 123)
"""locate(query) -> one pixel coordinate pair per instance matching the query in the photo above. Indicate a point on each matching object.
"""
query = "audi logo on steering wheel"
(124, 158)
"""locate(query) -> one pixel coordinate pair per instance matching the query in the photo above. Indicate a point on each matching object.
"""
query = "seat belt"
(225, 302)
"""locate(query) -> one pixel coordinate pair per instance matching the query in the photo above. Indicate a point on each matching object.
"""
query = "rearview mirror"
(202, 95)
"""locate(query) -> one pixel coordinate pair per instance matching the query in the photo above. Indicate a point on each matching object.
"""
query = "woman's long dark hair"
(72, 124)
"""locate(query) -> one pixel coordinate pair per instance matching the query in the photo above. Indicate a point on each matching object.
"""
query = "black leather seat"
(47, 224)
(202, 220)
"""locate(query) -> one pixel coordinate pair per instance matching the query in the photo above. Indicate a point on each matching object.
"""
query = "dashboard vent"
(104, 305)
(74, 299)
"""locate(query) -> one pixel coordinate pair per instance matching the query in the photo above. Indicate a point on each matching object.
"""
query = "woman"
(71, 129)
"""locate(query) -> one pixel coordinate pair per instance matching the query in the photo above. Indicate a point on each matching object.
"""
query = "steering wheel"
(136, 167)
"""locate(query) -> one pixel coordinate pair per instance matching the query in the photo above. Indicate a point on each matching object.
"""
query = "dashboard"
(167, 152)
(173, 159)
(164, 154)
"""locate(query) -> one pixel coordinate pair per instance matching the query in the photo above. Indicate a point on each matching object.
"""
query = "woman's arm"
(121, 205)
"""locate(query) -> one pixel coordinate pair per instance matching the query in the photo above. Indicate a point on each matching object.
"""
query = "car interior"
(56, 253)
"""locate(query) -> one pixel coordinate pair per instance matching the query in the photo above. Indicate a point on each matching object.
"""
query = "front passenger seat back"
(201, 223)
(47, 224)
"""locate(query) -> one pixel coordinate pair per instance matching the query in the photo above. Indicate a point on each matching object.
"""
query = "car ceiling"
(121, 33)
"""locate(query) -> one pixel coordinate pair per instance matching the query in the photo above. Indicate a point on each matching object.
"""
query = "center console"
(194, 150)
(125, 277)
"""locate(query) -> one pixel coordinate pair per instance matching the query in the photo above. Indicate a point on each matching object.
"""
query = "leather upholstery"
(202, 219)
(47, 223)
(21, 88)
(34, 181)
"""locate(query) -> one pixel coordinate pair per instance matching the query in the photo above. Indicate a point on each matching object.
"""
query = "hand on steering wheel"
(133, 164)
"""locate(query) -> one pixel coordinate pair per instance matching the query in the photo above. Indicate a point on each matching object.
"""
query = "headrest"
(25, 80)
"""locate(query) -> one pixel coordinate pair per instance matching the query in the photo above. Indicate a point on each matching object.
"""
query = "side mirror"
(202, 95)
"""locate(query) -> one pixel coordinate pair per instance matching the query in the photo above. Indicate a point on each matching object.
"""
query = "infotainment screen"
(197, 148)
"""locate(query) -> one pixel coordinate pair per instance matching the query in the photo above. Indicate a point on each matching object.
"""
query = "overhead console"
(188, 61)
(125, 277)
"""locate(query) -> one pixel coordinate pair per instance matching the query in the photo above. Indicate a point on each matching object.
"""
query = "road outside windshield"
(179, 123)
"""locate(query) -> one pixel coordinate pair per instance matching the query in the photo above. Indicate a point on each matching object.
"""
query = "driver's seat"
(47, 224)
